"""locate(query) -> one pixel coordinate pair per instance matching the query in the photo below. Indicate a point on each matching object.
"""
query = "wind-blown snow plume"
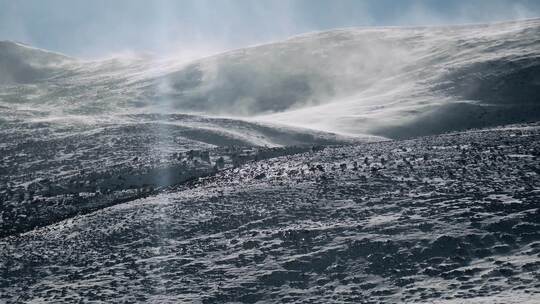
(397, 82)
(394, 82)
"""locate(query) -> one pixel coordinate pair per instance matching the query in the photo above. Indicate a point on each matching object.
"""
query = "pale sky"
(93, 28)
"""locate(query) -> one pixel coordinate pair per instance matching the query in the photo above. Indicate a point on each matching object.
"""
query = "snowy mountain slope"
(396, 82)
(393, 82)
(442, 219)
(22, 64)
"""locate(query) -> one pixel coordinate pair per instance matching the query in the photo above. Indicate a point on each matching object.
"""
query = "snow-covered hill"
(22, 64)
(395, 82)
(392, 82)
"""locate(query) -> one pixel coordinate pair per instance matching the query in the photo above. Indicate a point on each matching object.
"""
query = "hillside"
(441, 219)
(390, 82)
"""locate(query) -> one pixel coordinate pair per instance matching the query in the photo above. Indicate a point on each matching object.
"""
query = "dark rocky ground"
(444, 219)
(53, 170)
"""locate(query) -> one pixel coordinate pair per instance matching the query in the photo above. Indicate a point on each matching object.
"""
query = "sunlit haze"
(102, 28)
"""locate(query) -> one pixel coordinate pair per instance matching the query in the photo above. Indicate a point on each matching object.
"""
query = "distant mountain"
(391, 82)
(395, 82)
(22, 64)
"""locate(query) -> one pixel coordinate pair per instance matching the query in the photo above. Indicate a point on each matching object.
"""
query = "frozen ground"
(51, 170)
(442, 219)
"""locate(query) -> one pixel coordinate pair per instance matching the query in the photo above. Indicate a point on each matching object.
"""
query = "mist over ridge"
(395, 82)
